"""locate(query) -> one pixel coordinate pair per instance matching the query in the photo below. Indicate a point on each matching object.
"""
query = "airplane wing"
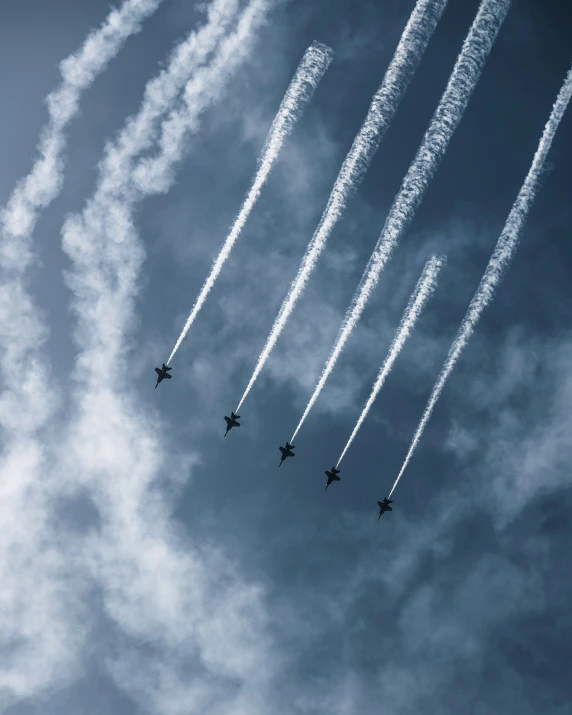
(380, 505)
(227, 419)
(157, 371)
(168, 376)
(282, 450)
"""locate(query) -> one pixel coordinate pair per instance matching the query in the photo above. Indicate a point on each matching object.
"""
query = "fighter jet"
(286, 452)
(231, 422)
(332, 476)
(384, 506)
(162, 373)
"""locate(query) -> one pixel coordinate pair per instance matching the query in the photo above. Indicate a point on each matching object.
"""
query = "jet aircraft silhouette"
(332, 476)
(231, 422)
(286, 452)
(384, 506)
(162, 373)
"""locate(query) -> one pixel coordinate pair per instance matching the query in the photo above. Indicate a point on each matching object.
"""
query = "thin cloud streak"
(385, 102)
(448, 114)
(498, 264)
(423, 291)
(312, 68)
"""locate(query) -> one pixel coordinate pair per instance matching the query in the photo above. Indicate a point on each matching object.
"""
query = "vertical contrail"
(385, 102)
(462, 82)
(500, 259)
(79, 70)
(423, 291)
(310, 71)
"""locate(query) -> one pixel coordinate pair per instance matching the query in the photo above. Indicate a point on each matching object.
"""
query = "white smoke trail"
(160, 93)
(41, 623)
(385, 102)
(156, 174)
(79, 70)
(314, 64)
(462, 82)
(500, 259)
(423, 291)
(149, 578)
(22, 331)
(103, 243)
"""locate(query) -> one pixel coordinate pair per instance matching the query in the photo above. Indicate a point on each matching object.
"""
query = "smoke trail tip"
(326, 50)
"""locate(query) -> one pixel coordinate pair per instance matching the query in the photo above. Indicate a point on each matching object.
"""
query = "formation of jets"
(287, 451)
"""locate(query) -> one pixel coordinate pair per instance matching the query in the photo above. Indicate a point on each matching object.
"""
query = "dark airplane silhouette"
(332, 476)
(384, 506)
(286, 452)
(231, 422)
(162, 373)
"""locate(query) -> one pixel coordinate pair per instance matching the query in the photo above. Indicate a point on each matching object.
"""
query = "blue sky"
(151, 566)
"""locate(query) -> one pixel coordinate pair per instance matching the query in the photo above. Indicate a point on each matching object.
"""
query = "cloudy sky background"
(150, 566)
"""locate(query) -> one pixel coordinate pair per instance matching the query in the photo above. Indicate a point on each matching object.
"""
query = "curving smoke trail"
(502, 255)
(310, 71)
(462, 82)
(385, 102)
(79, 70)
(160, 93)
(22, 330)
(154, 175)
(40, 627)
(423, 291)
